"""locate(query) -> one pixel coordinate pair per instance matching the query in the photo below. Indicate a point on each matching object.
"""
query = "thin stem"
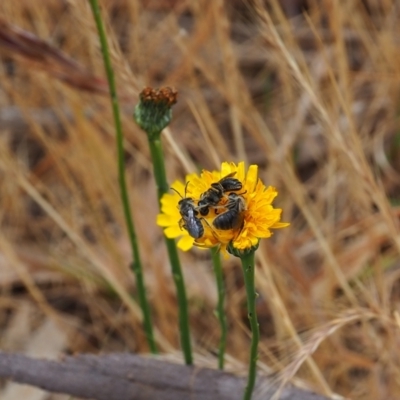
(216, 259)
(162, 188)
(136, 264)
(248, 273)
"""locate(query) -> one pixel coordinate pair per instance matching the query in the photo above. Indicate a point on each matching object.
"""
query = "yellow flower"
(256, 220)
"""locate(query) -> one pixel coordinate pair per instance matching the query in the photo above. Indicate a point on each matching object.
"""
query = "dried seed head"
(153, 113)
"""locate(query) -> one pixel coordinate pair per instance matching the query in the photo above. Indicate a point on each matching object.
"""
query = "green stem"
(248, 273)
(216, 259)
(162, 188)
(136, 264)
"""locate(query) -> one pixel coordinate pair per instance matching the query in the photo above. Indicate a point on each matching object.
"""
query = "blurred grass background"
(308, 90)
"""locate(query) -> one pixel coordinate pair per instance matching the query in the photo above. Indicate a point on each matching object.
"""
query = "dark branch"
(131, 377)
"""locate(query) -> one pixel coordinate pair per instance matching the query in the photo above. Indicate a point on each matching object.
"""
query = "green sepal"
(241, 253)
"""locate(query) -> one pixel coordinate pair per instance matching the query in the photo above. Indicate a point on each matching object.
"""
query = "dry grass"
(313, 100)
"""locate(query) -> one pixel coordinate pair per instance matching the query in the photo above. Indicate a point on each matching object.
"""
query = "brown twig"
(131, 377)
(39, 54)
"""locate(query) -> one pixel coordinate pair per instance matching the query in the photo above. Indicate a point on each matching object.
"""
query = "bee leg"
(201, 245)
(217, 247)
(240, 230)
(217, 208)
(212, 229)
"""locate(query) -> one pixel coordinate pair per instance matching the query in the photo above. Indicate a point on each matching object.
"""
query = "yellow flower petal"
(165, 220)
(185, 243)
(278, 225)
(224, 252)
(226, 169)
(240, 172)
(179, 187)
(173, 232)
(251, 178)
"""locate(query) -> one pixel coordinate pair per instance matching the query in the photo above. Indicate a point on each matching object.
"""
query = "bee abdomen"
(231, 184)
(227, 220)
(197, 232)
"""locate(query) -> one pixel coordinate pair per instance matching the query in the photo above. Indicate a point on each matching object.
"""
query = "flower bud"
(153, 113)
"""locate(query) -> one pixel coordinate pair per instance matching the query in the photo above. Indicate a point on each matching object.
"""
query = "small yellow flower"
(258, 217)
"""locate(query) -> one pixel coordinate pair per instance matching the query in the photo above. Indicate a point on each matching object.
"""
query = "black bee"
(213, 196)
(232, 218)
(189, 220)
